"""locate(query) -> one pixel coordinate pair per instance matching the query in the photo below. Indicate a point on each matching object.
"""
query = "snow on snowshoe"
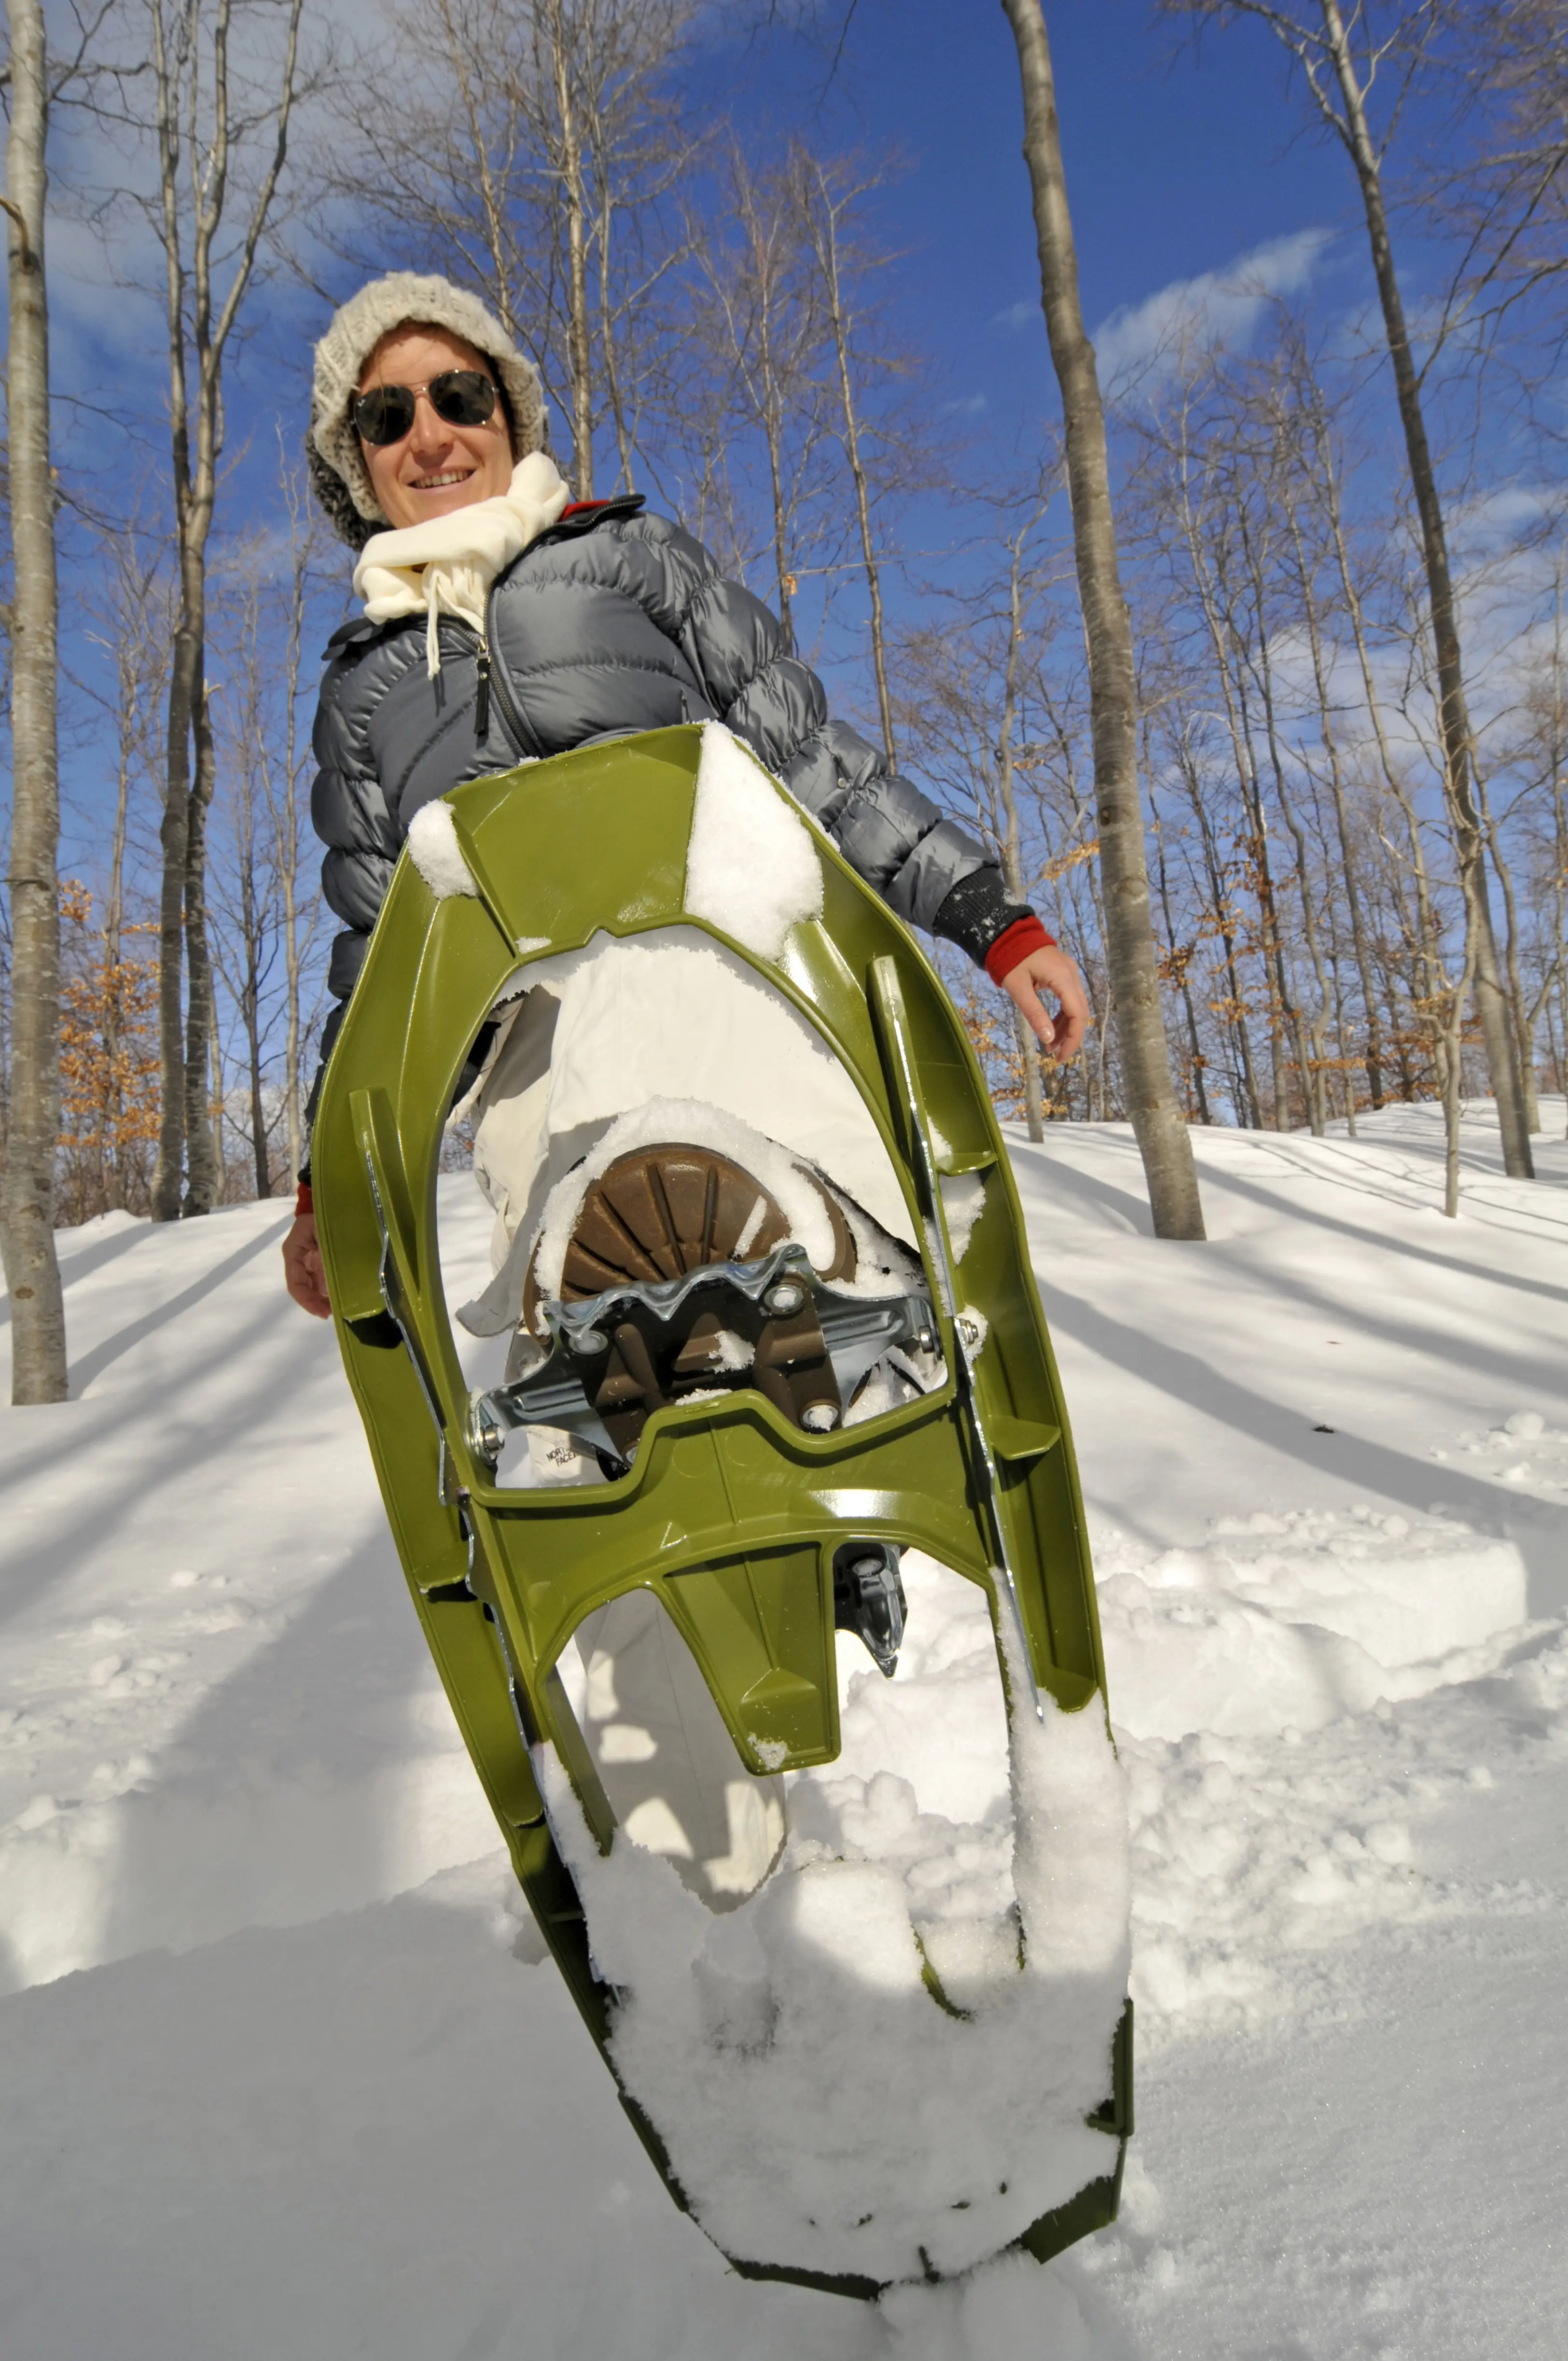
(762, 1523)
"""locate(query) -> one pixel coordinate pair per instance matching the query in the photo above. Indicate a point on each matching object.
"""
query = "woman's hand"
(302, 1272)
(1051, 970)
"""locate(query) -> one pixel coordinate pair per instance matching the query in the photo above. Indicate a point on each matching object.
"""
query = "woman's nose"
(429, 431)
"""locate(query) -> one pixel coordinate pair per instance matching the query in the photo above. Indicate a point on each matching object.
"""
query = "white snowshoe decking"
(748, 1528)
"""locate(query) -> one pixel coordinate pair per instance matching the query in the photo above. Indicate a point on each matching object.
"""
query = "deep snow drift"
(311, 2089)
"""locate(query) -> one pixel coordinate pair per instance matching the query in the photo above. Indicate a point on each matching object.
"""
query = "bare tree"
(1542, 724)
(265, 924)
(533, 149)
(1179, 954)
(26, 1190)
(829, 197)
(1497, 175)
(283, 761)
(970, 686)
(1317, 480)
(204, 123)
(759, 319)
(1011, 846)
(1323, 46)
(134, 624)
(246, 927)
(1162, 1135)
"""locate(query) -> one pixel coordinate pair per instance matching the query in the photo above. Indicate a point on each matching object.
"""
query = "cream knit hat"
(338, 476)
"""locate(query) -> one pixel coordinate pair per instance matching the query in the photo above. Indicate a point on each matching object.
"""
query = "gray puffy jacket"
(610, 622)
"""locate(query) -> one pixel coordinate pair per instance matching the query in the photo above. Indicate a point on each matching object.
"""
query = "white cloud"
(1018, 316)
(1218, 307)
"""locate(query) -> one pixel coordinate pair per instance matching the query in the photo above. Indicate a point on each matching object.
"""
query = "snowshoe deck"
(750, 1531)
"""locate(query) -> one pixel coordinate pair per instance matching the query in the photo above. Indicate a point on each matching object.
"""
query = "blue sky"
(1176, 164)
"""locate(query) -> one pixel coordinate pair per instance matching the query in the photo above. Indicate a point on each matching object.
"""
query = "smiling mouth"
(439, 483)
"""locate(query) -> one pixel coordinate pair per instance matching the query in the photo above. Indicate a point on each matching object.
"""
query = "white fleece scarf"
(448, 565)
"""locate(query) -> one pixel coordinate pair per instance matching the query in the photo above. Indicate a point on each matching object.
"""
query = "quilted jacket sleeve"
(349, 813)
(894, 836)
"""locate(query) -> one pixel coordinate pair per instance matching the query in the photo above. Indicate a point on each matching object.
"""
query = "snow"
(281, 2066)
(435, 852)
(789, 2051)
(963, 1201)
(1290, 1622)
(751, 867)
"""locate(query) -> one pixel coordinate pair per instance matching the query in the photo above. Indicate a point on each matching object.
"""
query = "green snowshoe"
(740, 1473)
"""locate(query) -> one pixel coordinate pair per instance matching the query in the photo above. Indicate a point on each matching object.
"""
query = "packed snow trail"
(312, 2089)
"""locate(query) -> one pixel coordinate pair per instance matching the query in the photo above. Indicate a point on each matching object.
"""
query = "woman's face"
(436, 468)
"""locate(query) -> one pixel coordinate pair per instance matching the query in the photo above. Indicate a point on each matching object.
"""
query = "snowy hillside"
(282, 2072)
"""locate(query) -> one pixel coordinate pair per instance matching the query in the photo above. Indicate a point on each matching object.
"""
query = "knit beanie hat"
(338, 474)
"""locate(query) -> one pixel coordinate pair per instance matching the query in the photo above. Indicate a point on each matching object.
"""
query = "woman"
(503, 622)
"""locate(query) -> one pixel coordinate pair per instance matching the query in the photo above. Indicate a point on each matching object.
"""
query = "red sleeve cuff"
(1013, 945)
(304, 1203)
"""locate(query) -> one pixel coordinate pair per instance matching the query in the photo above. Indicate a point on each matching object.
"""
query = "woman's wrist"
(1015, 944)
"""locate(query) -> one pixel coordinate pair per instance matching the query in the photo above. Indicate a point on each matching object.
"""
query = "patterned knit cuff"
(976, 911)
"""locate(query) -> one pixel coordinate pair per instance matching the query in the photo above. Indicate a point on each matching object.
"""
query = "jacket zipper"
(493, 685)
(482, 702)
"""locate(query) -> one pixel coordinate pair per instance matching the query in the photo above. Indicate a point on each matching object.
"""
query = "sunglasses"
(460, 397)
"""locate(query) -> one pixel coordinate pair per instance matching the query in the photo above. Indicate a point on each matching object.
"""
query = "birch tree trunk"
(26, 1192)
(1162, 1134)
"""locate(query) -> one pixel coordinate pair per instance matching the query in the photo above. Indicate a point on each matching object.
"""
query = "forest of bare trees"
(1338, 737)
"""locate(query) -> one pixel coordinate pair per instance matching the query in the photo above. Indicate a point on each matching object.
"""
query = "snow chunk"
(963, 1201)
(436, 853)
(751, 867)
(806, 2010)
(1301, 1619)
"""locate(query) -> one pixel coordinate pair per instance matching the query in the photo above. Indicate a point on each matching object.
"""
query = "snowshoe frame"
(979, 1474)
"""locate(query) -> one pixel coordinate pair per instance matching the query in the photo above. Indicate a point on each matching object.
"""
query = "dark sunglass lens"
(463, 397)
(384, 414)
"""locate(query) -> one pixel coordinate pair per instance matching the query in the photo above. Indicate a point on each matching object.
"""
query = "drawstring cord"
(432, 586)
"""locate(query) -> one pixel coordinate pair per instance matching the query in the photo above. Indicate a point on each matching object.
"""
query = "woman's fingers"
(302, 1273)
(1051, 970)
